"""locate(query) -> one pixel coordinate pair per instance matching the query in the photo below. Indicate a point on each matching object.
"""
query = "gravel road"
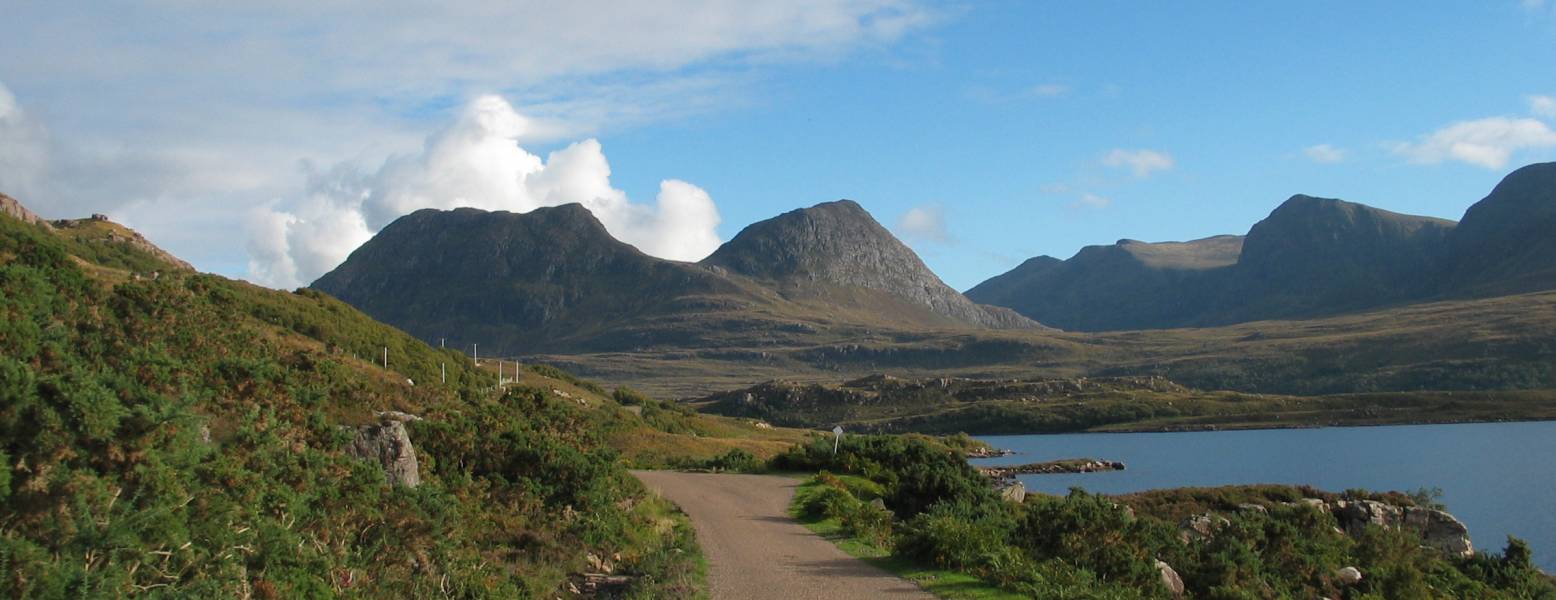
(756, 551)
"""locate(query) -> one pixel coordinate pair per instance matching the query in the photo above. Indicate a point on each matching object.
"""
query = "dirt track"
(756, 551)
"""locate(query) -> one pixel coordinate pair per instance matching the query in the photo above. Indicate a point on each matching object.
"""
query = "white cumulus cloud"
(1488, 142)
(1140, 162)
(1324, 153)
(475, 162)
(926, 223)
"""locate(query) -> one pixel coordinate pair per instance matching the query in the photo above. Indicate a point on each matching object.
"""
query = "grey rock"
(1170, 579)
(1439, 530)
(1355, 516)
(389, 444)
(1015, 491)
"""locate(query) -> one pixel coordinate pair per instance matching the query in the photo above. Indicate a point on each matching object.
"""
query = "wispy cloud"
(1093, 201)
(1488, 142)
(1324, 153)
(924, 223)
(992, 95)
(1542, 106)
(1140, 162)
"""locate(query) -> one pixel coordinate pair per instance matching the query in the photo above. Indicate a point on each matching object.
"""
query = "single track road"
(755, 550)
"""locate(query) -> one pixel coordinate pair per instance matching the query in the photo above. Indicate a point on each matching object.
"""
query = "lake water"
(1498, 478)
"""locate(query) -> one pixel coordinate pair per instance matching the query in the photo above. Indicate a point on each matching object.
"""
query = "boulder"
(1439, 530)
(388, 444)
(1170, 579)
(1015, 491)
(1348, 575)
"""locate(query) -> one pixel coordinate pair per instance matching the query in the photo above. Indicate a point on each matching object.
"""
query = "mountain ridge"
(1310, 257)
(554, 279)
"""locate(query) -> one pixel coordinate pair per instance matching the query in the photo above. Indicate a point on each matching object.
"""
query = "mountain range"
(1324, 296)
(555, 280)
(1311, 257)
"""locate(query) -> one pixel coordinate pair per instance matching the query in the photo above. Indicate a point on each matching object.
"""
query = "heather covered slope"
(186, 435)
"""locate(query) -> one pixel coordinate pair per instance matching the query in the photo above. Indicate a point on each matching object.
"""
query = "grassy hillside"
(186, 435)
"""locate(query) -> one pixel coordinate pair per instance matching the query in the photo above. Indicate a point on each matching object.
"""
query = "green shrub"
(961, 536)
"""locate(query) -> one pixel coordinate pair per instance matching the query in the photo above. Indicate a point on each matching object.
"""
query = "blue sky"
(983, 132)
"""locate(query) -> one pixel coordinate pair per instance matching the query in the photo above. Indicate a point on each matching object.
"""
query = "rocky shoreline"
(1068, 465)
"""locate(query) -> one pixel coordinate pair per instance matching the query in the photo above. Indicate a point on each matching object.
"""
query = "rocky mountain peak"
(840, 244)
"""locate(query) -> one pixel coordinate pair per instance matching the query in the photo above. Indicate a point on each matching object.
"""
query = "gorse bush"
(185, 437)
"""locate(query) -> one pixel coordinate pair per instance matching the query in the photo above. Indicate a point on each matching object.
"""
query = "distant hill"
(1311, 257)
(554, 280)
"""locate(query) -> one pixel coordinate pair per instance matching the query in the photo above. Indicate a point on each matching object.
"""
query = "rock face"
(1310, 257)
(12, 207)
(840, 244)
(388, 444)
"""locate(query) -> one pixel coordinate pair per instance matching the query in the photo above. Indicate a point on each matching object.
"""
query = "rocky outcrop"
(97, 229)
(1072, 465)
(389, 444)
(10, 206)
(1437, 528)
(1201, 527)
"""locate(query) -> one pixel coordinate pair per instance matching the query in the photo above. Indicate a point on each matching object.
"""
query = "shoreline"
(1263, 427)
